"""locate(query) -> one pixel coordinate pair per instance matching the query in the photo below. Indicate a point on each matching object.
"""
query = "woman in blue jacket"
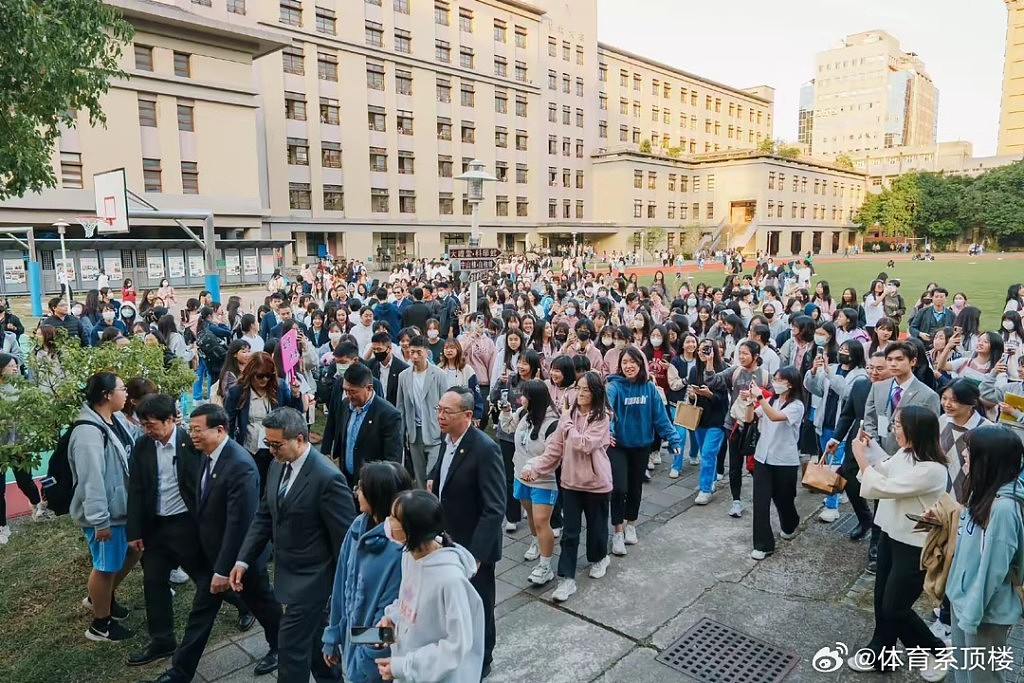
(638, 417)
(369, 572)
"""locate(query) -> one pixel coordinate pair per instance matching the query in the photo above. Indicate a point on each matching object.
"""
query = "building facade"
(1011, 110)
(951, 158)
(869, 94)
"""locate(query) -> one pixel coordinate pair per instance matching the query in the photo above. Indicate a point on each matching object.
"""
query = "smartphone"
(372, 635)
(184, 315)
(957, 329)
(924, 521)
(821, 351)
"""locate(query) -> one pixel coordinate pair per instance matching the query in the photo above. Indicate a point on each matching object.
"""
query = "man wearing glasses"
(306, 512)
(226, 496)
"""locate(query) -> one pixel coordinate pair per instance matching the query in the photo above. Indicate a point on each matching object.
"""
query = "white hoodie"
(439, 619)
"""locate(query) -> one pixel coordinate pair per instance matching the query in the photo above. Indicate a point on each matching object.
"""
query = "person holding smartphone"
(710, 433)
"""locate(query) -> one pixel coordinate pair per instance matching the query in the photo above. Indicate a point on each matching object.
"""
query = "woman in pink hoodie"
(580, 445)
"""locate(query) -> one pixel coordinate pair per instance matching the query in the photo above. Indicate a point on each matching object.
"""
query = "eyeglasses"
(273, 445)
(448, 411)
(265, 375)
(195, 431)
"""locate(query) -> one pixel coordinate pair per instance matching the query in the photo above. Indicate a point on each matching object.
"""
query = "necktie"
(897, 394)
(283, 488)
(207, 463)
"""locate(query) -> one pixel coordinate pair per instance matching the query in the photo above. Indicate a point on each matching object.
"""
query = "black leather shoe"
(246, 620)
(860, 532)
(152, 653)
(486, 672)
(266, 665)
(165, 677)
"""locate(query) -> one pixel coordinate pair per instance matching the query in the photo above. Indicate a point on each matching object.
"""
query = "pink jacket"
(479, 355)
(592, 353)
(582, 449)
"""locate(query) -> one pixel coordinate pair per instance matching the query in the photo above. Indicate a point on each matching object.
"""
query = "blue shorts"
(534, 494)
(108, 556)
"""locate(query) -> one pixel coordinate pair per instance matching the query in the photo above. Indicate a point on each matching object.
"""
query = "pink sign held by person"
(290, 353)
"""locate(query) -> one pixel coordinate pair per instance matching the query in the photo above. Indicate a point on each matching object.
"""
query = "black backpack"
(60, 485)
(211, 347)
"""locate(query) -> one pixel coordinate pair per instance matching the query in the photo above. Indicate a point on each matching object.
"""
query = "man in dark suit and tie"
(270, 318)
(469, 479)
(227, 495)
(284, 314)
(385, 367)
(416, 313)
(361, 425)
(306, 513)
(161, 487)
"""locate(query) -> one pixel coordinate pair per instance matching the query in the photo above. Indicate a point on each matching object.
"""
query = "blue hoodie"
(978, 586)
(637, 413)
(388, 312)
(366, 581)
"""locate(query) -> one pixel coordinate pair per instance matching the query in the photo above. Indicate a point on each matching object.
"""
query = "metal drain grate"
(715, 653)
(845, 524)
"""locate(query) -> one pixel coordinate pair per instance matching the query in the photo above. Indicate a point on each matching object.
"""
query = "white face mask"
(570, 311)
(638, 324)
(691, 302)
(656, 341)
(342, 367)
(1008, 325)
(76, 311)
(620, 344)
(433, 334)
(108, 316)
(780, 388)
(607, 341)
(387, 532)
(334, 336)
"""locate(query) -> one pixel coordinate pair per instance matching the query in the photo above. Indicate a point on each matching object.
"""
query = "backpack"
(211, 347)
(59, 488)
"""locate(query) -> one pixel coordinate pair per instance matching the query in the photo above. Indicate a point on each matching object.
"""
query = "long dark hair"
(538, 400)
(921, 430)
(598, 397)
(419, 512)
(996, 459)
(380, 482)
(788, 373)
(638, 357)
(564, 365)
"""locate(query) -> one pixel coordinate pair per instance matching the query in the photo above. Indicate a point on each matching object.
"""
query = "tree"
(645, 146)
(766, 146)
(653, 238)
(843, 161)
(893, 209)
(995, 201)
(675, 152)
(938, 212)
(59, 58)
(787, 151)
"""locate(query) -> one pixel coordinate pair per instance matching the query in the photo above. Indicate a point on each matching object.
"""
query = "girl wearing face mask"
(434, 342)
(569, 314)
(583, 345)
(505, 392)
(621, 336)
(641, 324)
(776, 458)
(108, 319)
(1011, 329)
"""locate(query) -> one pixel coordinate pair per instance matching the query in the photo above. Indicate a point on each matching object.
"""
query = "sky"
(744, 43)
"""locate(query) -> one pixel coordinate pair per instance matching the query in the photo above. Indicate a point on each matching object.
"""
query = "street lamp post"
(475, 178)
(62, 226)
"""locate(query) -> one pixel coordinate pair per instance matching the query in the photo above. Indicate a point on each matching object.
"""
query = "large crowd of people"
(394, 519)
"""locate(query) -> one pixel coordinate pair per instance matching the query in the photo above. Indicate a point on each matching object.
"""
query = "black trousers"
(513, 510)
(257, 596)
(849, 471)
(25, 484)
(575, 506)
(899, 582)
(735, 463)
(722, 451)
(299, 646)
(556, 511)
(628, 468)
(483, 582)
(774, 484)
(262, 458)
(485, 391)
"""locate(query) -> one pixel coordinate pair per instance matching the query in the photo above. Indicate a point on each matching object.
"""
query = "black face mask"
(560, 338)
(583, 335)
(769, 314)
(381, 356)
(844, 358)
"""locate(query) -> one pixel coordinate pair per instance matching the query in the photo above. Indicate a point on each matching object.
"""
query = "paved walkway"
(692, 562)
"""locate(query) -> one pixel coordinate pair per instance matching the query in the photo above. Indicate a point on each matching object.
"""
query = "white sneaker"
(719, 477)
(5, 534)
(828, 515)
(510, 527)
(673, 473)
(758, 555)
(694, 461)
(540, 575)
(600, 568)
(618, 544)
(557, 532)
(654, 458)
(855, 664)
(630, 535)
(533, 552)
(737, 509)
(940, 630)
(787, 537)
(933, 671)
(703, 498)
(566, 587)
(178, 575)
(936, 612)
(41, 513)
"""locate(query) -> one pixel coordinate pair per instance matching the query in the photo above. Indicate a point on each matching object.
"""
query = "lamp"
(475, 178)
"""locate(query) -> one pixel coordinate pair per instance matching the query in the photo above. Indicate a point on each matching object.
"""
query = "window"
(684, 183)
(521, 72)
(552, 208)
(579, 118)
(652, 210)
(771, 180)
(444, 130)
(666, 116)
(579, 92)
(334, 198)
(552, 144)
(521, 174)
(373, 2)
(183, 64)
(375, 115)
(638, 179)
(330, 154)
(441, 13)
(566, 147)
(405, 123)
(624, 106)
(782, 181)
(652, 180)
(711, 182)
(695, 209)
(579, 180)
(378, 200)
(327, 68)
(636, 82)
(403, 82)
(520, 104)
(602, 102)
(143, 58)
(579, 55)
(552, 112)
(466, 20)
(292, 59)
(378, 160)
(468, 132)
(374, 75)
(552, 80)
(403, 41)
(71, 170)
(444, 91)
(151, 175)
(291, 12)
(330, 112)
(683, 211)
(638, 208)
(500, 31)
(299, 196)
(500, 67)
(444, 166)
(696, 183)
(468, 95)
(566, 209)
(710, 214)
(442, 52)
(566, 115)
(500, 137)
(579, 148)
(189, 177)
(552, 47)
(566, 178)
(778, 210)
(565, 51)
(671, 210)
(521, 140)
(501, 102)
(466, 57)
(602, 129)
(501, 205)
(147, 111)
(602, 73)
(186, 117)
(406, 201)
(236, 6)
(325, 21)
(522, 206)
(402, 6)
(671, 182)
(501, 171)
(374, 33)
(445, 204)
(294, 106)
(520, 39)
(298, 152)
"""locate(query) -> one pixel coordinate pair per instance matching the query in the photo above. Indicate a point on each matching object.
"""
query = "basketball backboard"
(111, 192)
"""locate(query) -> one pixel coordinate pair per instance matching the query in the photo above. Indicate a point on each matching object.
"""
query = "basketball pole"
(209, 241)
(35, 275)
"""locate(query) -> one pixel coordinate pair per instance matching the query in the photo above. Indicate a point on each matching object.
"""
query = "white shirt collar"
(454, 444)
(216, 453)
(905, 385)
(300, 461)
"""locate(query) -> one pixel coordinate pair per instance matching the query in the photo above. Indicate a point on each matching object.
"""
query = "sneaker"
(557, 532)
(787, 537)
(933, 671)
(654, 459)
(566, 587)
(937, 612)
(737, 509)
(540, 575)
(940, 630)
(872, 567)
(533, 552)
(510, 527)
(178, 575)
(118, 612)
(648, 476)
(855, 664)
(630, 535)
(703, 498)
(828, 515)
(41, 513)
(618, 544)
(112, 632)
(5, 534)
(673, 473)
(600, 568)
(719, 477)
(758, 555)
(694, 461)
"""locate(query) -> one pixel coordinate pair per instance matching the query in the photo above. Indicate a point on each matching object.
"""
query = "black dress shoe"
(152, 653)
(266, 665)
(246, 620)
(165, 677)
(486, 672)
(860, 532)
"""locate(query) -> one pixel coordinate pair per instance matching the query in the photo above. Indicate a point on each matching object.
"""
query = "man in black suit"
(270, 319)
(284, 314)
(328, 389)
(416, 313)
(227, 495)
(385, 367)
(361, 425)
(306, 513)
(448, 311)
(469, 479)
(161, 487)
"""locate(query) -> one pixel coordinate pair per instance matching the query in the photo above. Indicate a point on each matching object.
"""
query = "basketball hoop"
(91, 223)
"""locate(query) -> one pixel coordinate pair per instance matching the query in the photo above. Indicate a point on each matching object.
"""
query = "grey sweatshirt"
(100, 473)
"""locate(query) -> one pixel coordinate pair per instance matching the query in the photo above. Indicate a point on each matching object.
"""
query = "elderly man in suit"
(227, 494)
(306, 513)
(420, 388)
(469, 479)
(361, 426)
(385, 367)
(888, 396)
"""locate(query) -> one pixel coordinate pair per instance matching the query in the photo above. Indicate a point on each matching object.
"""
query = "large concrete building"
(951, 158)
(1011, 111)
(869, 94)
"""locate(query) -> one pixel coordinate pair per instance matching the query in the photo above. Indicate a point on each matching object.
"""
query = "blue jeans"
(709, 440)
(201, 374)
(685, 435)
(832, 501)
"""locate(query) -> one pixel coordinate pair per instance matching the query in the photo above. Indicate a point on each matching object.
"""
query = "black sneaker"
(872, 567)
(113, 631)
(118, 612)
